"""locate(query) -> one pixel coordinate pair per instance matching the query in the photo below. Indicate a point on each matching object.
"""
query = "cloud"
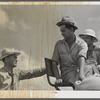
(21, 26)
(25, 61)
(24, 26)
(12, 25)
(3, 18)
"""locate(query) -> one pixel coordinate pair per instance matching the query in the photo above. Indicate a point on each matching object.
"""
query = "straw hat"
(5, 53)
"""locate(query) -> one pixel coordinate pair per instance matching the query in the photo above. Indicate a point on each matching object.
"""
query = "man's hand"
(96, 75)
(98, 67)
(58, 81)
(81, 64)
(1, 80)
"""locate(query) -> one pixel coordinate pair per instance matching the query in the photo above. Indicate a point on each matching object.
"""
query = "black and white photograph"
(50, 47)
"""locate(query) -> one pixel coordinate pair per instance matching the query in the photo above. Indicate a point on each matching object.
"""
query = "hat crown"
(68, 19)
(89, 32)
(4, 52)
(7, 52)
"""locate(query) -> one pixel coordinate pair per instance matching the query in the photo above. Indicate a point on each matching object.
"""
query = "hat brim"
(14, 53)
(95, 39)
(66, 23)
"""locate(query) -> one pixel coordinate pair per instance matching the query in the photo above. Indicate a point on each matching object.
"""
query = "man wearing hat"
(92, 64)
(8, 77)
(93, 53)
(70, 53)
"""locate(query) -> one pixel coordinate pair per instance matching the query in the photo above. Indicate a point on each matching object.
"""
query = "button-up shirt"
(68, 57)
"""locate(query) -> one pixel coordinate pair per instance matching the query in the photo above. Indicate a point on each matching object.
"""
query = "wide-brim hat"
(5, 53)
(67, 20)
(89, 32)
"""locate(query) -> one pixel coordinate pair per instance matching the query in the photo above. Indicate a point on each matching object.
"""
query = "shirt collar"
(73, 45)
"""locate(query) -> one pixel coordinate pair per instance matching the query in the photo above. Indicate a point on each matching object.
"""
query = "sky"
(32, 29)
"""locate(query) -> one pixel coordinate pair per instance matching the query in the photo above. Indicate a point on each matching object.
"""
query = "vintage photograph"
(50, 47)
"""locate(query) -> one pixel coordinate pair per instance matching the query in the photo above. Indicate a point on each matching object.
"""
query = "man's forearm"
(55, 70)
(27, 74)
(82, 77)
(81, 66)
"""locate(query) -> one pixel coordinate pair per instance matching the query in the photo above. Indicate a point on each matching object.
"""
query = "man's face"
(66, 32)
(12, 60)
(88, 39)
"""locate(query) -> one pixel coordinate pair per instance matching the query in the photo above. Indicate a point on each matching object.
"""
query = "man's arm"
(27, 74)
(56, 72)
(1, 79)
(82, 55)
(81, 64)
(98, 58)
(55, 58)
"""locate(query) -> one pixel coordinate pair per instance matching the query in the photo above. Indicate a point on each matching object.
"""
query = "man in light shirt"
(10, 78)
(70, 53)
(92, 63)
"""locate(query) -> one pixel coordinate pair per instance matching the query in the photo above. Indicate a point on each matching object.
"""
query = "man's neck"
(90, 47)
(70, 40)
(9, 69)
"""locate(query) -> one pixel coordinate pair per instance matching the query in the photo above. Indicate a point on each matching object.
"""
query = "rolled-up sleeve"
(27, 74)
(55, 56)
(83, 48)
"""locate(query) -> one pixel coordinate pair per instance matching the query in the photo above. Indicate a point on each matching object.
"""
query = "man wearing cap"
(8, 77)
(70, 53)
